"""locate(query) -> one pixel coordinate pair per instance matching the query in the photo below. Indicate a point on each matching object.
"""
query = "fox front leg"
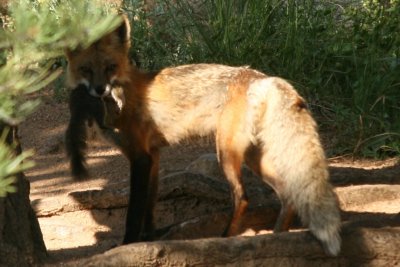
(140, 171)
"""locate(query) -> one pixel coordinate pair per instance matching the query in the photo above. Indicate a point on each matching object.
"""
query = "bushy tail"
(291, 144)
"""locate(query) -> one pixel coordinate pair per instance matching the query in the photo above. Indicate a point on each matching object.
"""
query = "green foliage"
(368, 76)
(33, 35)
(343, 56)
(10, 165)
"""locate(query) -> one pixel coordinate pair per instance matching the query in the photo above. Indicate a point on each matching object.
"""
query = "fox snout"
(102, 90)
(99, 90)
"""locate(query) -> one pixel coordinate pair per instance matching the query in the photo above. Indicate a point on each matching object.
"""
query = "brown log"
(361, 246)
(341, 176)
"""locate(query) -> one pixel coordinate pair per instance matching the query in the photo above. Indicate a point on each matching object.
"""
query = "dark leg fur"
(141, 168)
(83, 108)
(148, 227)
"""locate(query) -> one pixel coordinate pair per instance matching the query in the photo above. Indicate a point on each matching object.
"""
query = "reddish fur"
(248, 112)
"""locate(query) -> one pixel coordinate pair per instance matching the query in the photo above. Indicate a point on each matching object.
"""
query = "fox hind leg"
(259, 165)
(231, 168)
(231, 146)
(285, 217)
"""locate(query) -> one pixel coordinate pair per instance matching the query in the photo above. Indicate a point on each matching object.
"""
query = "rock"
(206, 164)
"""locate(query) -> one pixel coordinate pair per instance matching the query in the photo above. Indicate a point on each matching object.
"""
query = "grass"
(343, 56)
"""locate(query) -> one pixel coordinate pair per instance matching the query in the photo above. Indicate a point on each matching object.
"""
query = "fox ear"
(120, 37)
(72, 52)
(122, 33)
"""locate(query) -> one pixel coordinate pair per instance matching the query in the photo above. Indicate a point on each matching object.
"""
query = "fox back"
(187, 100)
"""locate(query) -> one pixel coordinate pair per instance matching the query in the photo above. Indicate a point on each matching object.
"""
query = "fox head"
(103, 64)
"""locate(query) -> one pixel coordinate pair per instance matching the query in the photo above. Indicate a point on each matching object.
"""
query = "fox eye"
(111, 68)
(85, 70)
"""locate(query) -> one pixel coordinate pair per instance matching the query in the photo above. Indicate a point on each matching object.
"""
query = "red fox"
(258, 120)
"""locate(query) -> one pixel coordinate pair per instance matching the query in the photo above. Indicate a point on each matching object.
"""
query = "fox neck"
(135, 113)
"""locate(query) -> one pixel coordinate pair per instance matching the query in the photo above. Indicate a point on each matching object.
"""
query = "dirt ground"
(72, 235)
